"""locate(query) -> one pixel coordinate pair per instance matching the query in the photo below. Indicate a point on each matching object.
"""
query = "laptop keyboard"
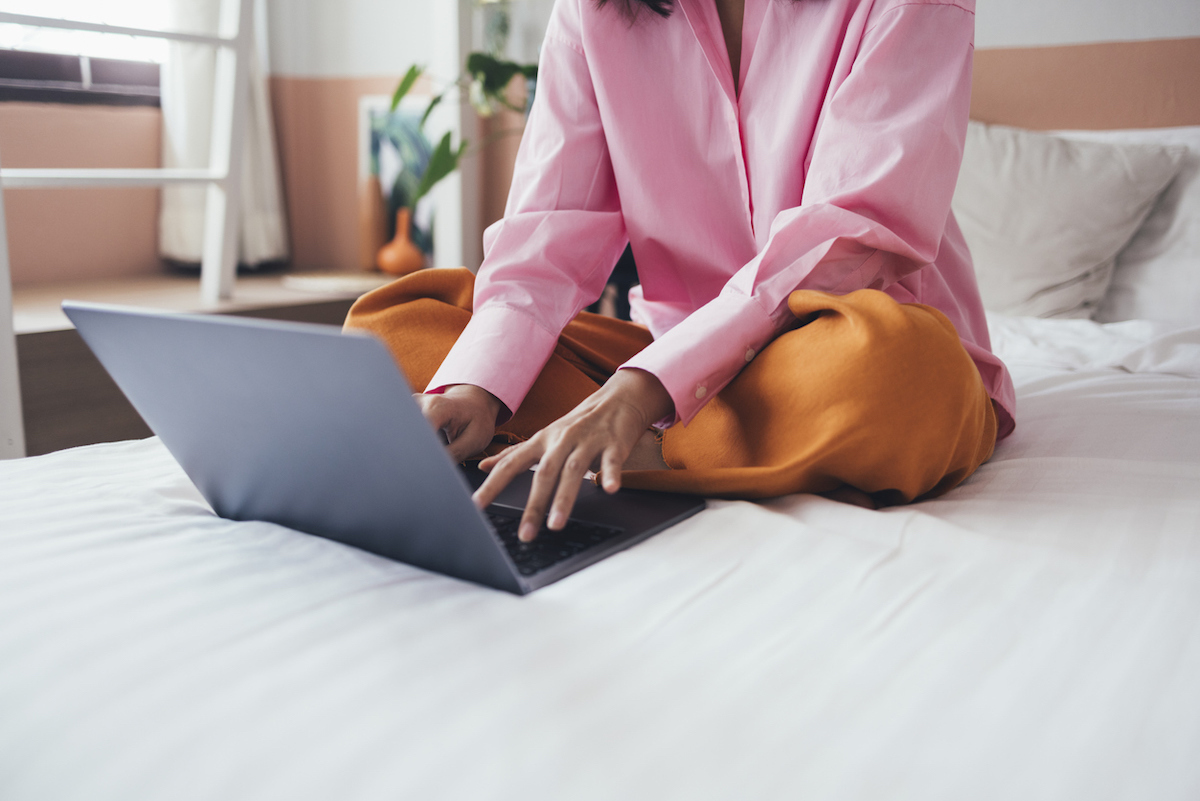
(550, 547)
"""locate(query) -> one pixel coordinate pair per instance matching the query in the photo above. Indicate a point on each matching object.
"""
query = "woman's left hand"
(601, 431)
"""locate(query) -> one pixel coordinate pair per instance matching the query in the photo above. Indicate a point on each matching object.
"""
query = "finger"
(512, 463)
(569, 481)
(544, 482)
(610, 468)
(487, 464)
(460, 449)
(472, 439)
(438, 414)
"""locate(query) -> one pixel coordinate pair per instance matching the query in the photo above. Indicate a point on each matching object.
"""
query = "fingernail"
(557, 519)
(527, 532)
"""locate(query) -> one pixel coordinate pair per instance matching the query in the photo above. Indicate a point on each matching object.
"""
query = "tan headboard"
(1090, 87)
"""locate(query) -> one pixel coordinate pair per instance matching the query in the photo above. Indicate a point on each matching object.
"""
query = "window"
(62, 66)
(152, 14)
(51, 78)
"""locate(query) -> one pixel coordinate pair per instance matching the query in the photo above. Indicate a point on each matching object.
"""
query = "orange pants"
(868, 392)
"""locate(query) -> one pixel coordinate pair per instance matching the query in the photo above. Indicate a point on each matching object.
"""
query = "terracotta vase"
(400, 256)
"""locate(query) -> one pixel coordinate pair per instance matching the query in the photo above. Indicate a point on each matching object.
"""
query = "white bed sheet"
(1034, 634)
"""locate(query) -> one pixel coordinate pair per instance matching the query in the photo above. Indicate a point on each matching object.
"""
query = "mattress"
(1033, 634)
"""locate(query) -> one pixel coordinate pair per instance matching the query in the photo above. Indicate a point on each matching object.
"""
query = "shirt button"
(701, 392)
(749, 354)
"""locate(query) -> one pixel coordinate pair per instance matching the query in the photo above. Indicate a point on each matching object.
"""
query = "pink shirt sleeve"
(561, 235)
(881, 174)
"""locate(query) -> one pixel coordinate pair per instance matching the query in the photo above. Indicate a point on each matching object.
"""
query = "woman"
(782, 170)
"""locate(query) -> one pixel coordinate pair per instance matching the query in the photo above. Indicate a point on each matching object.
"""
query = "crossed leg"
(870, 401)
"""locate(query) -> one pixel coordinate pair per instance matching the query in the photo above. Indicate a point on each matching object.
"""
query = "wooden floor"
(68, 399)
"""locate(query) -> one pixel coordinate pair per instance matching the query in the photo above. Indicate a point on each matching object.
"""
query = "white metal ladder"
(218, 267)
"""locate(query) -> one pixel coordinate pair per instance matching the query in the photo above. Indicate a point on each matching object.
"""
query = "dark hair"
(630, 8)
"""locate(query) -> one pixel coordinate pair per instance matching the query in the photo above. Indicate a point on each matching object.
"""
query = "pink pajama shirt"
(832, 169)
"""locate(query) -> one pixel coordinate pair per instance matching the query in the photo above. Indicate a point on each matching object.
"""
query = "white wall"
(355, 38)
(350, 38)
(365, 38)
(1030, 23)
(345, 39)
(527, 27)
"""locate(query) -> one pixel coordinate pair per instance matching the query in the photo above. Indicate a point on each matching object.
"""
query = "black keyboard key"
(550, 547)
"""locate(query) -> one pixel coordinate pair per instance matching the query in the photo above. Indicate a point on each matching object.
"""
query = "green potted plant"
(486, 80)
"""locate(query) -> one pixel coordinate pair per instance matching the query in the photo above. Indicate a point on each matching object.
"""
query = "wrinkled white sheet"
(1034, 634)
(1134, 346)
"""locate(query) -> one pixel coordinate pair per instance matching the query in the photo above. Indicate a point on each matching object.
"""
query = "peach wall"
(1090, 86)
(316, 122)
(70, 234)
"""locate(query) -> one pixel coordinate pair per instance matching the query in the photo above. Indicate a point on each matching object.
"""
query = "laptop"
(316, 429)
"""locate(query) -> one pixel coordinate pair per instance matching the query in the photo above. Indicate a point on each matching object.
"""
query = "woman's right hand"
(466, 414)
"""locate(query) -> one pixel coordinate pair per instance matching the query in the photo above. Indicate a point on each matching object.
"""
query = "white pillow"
(1158, 272)
(1045, 216)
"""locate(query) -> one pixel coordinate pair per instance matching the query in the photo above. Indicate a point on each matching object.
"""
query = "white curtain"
(187, 95)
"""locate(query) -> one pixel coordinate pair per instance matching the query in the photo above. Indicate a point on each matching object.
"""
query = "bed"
(1035, 633)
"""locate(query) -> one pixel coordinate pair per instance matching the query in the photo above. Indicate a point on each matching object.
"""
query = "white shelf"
(223, 179)
(49, 178)
(38, 308)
